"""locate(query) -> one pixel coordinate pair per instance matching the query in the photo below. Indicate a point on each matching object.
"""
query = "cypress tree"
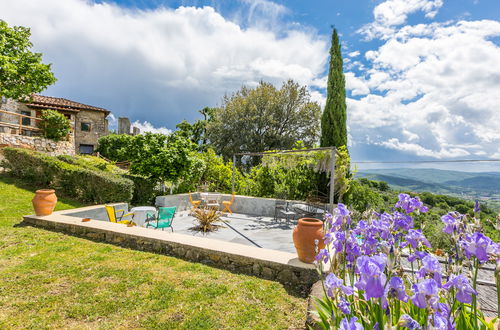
(333, 120)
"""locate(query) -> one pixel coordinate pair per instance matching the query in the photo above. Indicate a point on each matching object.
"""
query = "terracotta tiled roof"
(57, 103)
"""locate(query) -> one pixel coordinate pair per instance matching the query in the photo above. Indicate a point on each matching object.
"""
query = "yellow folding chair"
(112, 215)
(227, 204)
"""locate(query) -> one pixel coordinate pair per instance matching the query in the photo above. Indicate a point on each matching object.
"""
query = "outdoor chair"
(113, 216)
(194, 203)
(227, 204)
(164, 220)
(213, 201)
(282, 208)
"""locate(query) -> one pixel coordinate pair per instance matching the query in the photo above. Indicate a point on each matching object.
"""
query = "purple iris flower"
(430, 266)
(478, 245)
(351, 324)
(450, 222)
(402, 222)
(439, 322)
(382, 227)
(341, 210)
(323, 256)
(417, 255)
(463, 287)
(415, 236)
(441, 318)
(410, 204)
(425, 293)
(338, 241)
(329, 237)
(406, 321)
(333, 282)
(477, 207)
(352, 250)
(344, 306)
(397, 289)
(371, 275)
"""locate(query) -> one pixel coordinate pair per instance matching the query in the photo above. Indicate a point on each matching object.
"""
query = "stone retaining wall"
(242, 204)
(279, 266)
(37, 143)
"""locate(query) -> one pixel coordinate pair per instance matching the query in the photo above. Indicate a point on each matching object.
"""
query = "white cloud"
(162, 65)
(354, 53)
(418, 150)
(148, 127)
(433, 91)
(392, 13)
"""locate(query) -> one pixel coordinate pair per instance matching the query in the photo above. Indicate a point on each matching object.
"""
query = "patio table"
(307, 210)
(140, 214)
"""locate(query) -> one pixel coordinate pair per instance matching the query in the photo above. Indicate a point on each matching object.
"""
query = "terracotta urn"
(307, 231)
(44, 201)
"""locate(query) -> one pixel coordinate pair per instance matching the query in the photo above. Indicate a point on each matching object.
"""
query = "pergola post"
(332, 178)
(232, 178)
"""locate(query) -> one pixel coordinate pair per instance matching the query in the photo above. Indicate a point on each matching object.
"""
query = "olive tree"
(264, 118)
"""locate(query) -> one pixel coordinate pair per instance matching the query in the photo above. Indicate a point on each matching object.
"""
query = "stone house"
(88, 123)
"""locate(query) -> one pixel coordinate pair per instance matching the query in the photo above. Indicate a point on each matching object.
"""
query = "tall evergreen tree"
(333, 120)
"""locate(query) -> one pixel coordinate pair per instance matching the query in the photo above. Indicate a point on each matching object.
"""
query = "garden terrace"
(54, 280)
(280, 266)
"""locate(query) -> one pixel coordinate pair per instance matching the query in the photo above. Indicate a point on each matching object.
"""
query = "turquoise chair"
(164, 219)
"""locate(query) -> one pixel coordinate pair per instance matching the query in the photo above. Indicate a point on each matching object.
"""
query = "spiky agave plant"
(207, 218)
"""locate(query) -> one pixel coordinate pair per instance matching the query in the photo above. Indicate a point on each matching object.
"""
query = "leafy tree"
(197, 132)
(333, 120)
(264, 118)
(54, 125)
(22, 72)
(161, 157)
(116, 147)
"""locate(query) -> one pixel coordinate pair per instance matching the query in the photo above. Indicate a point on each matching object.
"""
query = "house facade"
(88, 123)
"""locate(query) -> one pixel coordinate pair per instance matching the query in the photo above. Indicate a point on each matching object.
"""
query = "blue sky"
(423, 76)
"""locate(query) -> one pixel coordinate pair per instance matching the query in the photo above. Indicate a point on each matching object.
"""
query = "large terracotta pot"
(44, 201)
(307, 231)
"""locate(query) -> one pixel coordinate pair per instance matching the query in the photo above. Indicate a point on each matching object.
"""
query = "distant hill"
(465, 184)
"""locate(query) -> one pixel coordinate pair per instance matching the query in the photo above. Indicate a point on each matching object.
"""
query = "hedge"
(82, 183)
(145, 190)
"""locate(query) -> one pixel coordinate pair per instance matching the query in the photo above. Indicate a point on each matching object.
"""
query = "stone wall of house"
(98, 127)
(13, 106)
(38, 143)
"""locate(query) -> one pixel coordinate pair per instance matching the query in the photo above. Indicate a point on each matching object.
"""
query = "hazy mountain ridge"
(465, 184)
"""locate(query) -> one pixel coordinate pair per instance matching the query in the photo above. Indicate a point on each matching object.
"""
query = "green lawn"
(51, 280)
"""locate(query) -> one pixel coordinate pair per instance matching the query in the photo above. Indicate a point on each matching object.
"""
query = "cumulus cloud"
(391, 13)
(162, 65)
(148, 127)
(433, 91)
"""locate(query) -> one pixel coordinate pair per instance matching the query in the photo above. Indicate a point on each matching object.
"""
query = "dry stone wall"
(38, 143)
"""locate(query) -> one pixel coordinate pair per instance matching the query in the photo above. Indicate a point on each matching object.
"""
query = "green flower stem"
(474, 297)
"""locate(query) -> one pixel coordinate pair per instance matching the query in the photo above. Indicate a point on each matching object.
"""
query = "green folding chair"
(163, 220)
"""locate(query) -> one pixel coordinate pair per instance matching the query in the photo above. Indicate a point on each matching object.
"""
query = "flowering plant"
(380, 273)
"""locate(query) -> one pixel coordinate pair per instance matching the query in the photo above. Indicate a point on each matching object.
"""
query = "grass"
(51, 280)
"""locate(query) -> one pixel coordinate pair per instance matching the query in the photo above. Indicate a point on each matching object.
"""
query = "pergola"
(333, 151)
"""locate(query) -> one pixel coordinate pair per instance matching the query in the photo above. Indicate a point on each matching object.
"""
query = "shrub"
(72, 180)
(91, 162)
(116, 147)
(361, 197)
(145, 189)
(54, 125)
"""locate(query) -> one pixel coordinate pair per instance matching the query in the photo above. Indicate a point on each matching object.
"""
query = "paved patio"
(243, 229)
